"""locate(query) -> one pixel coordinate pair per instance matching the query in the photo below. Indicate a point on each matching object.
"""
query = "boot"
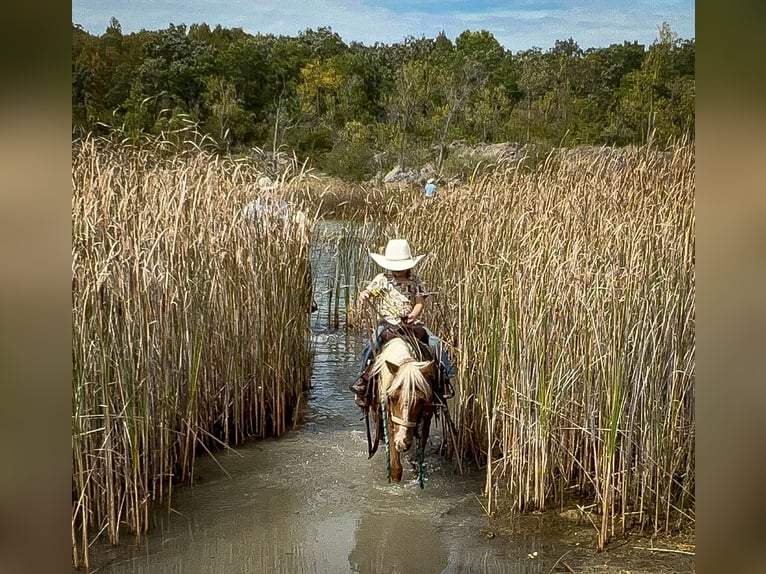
(443, 387)
(361, 387)
(448, 390)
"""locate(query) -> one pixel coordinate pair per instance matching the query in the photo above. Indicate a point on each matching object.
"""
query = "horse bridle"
(396, 420)
(402, 422)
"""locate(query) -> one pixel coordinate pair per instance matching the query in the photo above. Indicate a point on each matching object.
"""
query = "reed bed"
(567, 293)
(190, 325)
(343, 247)
(333, 199)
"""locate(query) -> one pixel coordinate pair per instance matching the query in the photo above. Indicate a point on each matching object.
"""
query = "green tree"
(94, 62)
(319, 88)
(375, 72)
(246, 64)
(227, 120)
(657, 100)
(487, 113)
(535, 81)
(219, 38)
(413, 88)
(312, 92)
(175, 70)
(602, 71)
(565, 66)
(82, 77)
(352, 155)
(597, 88)
(476, 55)
(322, 43)
(141, 112)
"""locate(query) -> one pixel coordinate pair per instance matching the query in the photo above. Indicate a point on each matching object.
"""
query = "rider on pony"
(398, 296)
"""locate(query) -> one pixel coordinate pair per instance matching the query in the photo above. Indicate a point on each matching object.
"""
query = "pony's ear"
(425, 367)
(393, 368)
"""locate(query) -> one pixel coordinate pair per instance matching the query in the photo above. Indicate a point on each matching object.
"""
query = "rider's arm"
(417, 309)
(378, 281)
(420, 299)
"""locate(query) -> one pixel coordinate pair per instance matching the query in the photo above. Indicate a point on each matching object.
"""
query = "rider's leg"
(445, 361)
(361, 384)
(437, 346)
(446, 370)
(366, 355)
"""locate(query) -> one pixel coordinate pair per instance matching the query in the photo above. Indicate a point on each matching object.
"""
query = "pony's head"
(405, 384)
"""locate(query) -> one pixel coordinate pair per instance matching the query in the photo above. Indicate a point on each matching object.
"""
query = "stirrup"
(449, 390)
(359, 386)
(361, 389)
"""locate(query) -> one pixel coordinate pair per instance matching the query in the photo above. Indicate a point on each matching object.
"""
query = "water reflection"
(391, 543)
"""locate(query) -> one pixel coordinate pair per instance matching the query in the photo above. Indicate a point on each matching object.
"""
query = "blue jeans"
(437, 344)
(367, 351)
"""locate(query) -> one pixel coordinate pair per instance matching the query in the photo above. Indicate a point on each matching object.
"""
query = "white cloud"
(590, 23)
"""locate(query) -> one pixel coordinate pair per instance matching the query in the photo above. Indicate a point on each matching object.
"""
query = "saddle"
(416, 335)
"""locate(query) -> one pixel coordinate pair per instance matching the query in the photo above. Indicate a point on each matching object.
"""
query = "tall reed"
(567, 293)
(189, 325)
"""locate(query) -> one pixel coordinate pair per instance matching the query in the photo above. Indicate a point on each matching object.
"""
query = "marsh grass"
(567, 293)
(189, 325)
(346, 247)
(333, 199)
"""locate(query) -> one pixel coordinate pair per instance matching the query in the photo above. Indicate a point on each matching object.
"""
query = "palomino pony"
(402, 406)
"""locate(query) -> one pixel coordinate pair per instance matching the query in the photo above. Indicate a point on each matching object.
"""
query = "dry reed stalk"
(183, 337)
(569, 292)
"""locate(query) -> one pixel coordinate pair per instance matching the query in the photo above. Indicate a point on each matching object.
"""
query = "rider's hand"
(408, 319)
(364, 295)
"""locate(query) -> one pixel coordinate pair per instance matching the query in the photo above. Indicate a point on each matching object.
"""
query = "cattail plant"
(567, 294)
(190, 324)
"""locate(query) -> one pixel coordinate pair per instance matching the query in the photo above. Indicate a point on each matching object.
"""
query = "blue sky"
(516, 24)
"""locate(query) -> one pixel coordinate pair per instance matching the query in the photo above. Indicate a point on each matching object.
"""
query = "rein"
(384, 411)
(421, 456)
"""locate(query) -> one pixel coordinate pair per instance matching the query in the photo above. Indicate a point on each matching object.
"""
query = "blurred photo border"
(35, 223)
(731, 283)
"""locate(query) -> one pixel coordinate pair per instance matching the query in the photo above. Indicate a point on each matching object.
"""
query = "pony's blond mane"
(408, 380)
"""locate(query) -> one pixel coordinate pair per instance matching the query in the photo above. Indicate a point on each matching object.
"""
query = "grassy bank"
(183, 338)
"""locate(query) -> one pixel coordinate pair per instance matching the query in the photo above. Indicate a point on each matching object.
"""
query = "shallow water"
(311, 501)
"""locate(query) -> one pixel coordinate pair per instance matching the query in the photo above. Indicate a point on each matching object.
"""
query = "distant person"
(430, 188)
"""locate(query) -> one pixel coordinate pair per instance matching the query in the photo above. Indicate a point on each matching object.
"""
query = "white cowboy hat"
(430, 180)
(397, 256)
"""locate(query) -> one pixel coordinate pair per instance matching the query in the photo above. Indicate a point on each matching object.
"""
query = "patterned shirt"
(402, 295)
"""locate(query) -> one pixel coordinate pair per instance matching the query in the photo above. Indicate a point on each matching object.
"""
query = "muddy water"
(311, 501)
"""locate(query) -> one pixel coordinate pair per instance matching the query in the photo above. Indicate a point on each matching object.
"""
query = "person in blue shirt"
(430, 188)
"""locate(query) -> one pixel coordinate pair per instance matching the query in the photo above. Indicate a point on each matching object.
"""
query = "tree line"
(353, 110)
